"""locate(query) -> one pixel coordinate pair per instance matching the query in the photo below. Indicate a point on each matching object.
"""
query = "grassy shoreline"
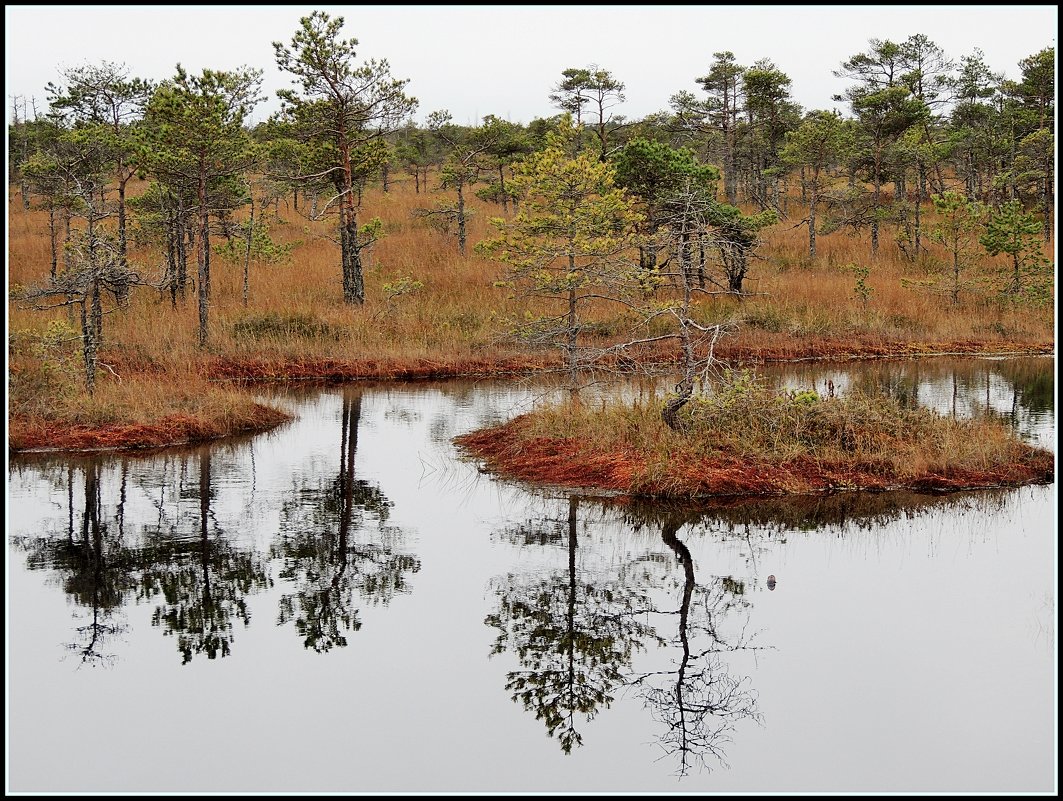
(122, 426)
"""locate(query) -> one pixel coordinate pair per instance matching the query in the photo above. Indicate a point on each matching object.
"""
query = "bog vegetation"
(161, 244)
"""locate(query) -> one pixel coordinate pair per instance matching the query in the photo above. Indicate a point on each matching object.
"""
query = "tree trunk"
(247, 256)
(918, 245)
(570, 346)
(203, 259)
(122, 240)
(729, 186)
(353, 285)
(96, 312)
(88, 348)
(812, 222)
(874, 208)
(1046, 192)
(171, 261)
(182, 254)
(66, 238)
(53, 241)
(701, 259)
(955, 272)
(502, 189)
(573, 331)
(461, 218)
(685, 388)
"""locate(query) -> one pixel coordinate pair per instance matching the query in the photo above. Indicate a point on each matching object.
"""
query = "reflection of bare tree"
(204, 580)
(329, 553)
(574, 639)
(698, 702)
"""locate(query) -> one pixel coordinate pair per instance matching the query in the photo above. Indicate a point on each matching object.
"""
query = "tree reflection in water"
(204, 580)
(184, 557)
(576, 633)
(95, 568)
(335, 547)
(573, 635)
(331, 554)
(697, 701)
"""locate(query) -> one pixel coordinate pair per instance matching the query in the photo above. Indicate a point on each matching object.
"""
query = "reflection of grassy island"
(746, 439)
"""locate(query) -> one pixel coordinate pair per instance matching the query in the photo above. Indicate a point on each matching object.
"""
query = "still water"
(345, 605)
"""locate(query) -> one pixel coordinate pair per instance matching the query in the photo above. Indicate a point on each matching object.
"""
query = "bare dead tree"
(98, 266)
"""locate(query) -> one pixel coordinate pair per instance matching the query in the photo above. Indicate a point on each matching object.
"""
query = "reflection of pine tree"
(96, 568)
(574, 640)
(330, 554)
(698, 702)
(203, 579)
(204, 582)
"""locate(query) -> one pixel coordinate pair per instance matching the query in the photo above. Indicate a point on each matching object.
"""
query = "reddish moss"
(170, 430)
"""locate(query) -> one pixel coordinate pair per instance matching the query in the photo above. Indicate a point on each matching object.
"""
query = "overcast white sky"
(503, 60)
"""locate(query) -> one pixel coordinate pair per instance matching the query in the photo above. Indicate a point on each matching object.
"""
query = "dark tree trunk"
(1046, 205)
(66, 238)
(685, 388)
(203, 260)
(701, 259)
(874, 208)
(53, 241)
(353, 285)
(461, 219)
(812, 222)
(182, 254)
(122, 240)
(247, 256)
(171, 261)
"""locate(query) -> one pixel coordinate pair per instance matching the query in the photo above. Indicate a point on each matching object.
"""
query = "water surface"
(345, 605)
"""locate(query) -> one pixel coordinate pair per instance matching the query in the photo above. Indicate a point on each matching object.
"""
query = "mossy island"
(748, 439)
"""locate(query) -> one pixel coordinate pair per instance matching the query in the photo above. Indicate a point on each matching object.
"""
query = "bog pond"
(345, 604)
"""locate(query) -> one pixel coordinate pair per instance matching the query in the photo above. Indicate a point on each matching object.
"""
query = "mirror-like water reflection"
(434, 629)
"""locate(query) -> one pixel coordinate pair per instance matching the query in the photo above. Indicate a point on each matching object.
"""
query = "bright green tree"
(569, 243)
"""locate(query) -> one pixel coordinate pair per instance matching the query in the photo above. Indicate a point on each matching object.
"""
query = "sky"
(504, 60)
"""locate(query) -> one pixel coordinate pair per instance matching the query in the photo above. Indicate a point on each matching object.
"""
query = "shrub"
(286, 326)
